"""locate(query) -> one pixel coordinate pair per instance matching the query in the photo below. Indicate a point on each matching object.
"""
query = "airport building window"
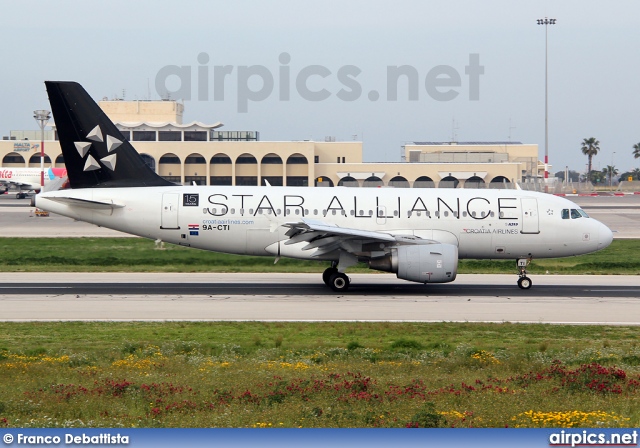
(144, 136)
(195, 136)
(297, 160)
(149, 161)
(126, 135)
(195, 160)
(271, 160)
(169, 136)
(246, 160)
(220, 180)
(199, 180)
(235, 136)
(172, 159)
(9, 158)
(36, 158)
(247, 180)
(297, 181)
(274, 181)
(221, 160)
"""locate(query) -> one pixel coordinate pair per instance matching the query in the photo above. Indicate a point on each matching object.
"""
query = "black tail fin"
(95, 152)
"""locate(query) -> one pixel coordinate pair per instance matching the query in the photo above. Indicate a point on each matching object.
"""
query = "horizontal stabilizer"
(86, 203)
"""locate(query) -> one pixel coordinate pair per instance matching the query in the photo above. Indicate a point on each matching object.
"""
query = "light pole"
(42, 117)
(611, 171)
(546, 21)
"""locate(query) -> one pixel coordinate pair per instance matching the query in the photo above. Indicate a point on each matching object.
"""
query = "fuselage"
(483, 224)
(28, 179)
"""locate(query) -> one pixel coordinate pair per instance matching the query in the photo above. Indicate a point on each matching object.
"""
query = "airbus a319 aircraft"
(418, 234)
(28, 179)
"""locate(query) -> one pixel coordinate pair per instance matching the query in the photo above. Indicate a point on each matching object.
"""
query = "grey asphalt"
(611, 300)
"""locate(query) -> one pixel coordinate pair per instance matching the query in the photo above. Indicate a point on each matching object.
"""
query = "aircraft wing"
(14, 184)
(328, 237)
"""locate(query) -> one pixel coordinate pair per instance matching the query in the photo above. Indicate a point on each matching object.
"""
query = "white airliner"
(418, 234)
(28, 179)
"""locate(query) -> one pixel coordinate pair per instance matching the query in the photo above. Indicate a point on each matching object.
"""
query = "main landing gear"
(524, 282)
(338, 281)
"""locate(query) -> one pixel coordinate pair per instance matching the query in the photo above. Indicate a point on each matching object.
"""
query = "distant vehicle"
(27, 180)
(417, 233)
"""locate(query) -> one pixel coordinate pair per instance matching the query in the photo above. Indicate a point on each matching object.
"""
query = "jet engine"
(424, 263)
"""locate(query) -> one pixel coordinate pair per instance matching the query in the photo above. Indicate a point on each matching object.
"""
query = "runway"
(303, 297)
(611, 300)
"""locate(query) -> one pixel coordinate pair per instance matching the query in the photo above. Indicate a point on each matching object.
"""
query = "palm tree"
(610, 171)
(636, 150)
(590, 147)
(636, 173)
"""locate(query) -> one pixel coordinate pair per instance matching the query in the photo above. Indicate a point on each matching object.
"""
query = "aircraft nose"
(605, 236)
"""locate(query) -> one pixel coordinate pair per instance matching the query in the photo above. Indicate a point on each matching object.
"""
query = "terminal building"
(203, 154)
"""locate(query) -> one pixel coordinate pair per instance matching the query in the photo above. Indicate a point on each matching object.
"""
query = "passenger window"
(565, 213)
(575, 214)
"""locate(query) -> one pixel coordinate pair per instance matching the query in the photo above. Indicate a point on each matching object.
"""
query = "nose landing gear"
(524, 282)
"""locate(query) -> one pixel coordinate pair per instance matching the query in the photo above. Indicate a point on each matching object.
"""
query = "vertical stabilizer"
(95, 152)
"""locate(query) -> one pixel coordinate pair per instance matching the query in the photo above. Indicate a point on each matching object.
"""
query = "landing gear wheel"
(339, 282)
(20, 196)
(326, 275)
(524, 282)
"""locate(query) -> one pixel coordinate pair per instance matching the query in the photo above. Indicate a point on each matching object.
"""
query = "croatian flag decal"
(194, 229)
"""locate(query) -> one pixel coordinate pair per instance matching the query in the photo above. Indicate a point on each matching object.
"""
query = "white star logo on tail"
(92, 164)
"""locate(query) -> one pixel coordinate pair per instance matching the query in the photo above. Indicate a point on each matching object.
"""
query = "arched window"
(499, 182)
(13, 159)
(399, 182)
(323, 181)
(348, 181)
(169, 167)
(220, 169)
(148, 160)
(35, 158)
(246, 159)
(297, 159)
(424, 182)
(474, 182)
(448, 182)
(373, 181)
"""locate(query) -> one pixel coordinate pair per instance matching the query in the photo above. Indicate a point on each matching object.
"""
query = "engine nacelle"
(424, 263)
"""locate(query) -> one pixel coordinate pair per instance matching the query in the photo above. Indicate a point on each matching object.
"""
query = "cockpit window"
(565, 213)
(583, 213)
(575, 214)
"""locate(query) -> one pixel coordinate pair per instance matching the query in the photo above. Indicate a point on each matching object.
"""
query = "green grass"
(140, 255)
(77, 374)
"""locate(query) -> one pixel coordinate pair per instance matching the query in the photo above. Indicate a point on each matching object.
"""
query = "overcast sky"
(341, 51)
